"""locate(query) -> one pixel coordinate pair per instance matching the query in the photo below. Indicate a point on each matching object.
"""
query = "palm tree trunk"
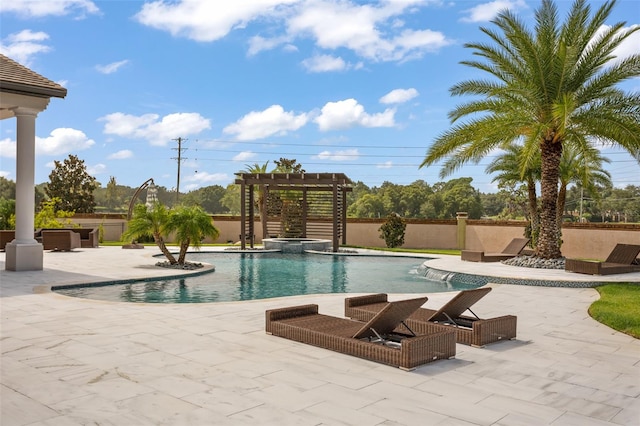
(549, 240)
(184, 247)
(163, 248)
(534, 214)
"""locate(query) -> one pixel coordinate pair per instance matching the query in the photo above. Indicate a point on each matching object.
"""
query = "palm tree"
(191, 225)
(150, 222)
(260, 198)
(553, 87)
(509, 169)
(584, 168)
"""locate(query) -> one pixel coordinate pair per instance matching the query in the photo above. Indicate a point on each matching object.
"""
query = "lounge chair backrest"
(624, 254)
(390, 317)
(459, 303)
(515, 246)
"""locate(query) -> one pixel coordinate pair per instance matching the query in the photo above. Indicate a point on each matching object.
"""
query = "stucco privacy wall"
(593, 241)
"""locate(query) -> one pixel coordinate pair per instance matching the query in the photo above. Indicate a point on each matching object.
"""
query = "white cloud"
(244, 156)
(261, 124)
(37, 9)
(349, 113)
(158, 132)
(121, 155)
(258, 43)
(487, 11)
(385, 165)
(371, 30)
(629, 47)
(112, 67)
(63, 141)
(22, 46)
(96, 169)
(206, 20)
(7, 148)
(399, 96)
(361, 28)
(204, 177)
(324, 63)
(5, 174)
(328, 63)
(348, 154)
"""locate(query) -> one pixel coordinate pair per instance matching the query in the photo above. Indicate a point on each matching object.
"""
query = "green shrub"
(392, 231)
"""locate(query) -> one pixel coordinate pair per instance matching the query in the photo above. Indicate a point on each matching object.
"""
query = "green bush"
(392, 231)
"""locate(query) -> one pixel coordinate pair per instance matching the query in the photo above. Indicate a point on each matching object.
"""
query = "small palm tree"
(150, 222)
(260, 199)
(581, 167)
(509, 169)
(191, 225)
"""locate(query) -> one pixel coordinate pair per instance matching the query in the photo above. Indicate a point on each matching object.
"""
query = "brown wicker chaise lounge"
(470, 330)
(620, 261)
(381, 339)
(514, 248)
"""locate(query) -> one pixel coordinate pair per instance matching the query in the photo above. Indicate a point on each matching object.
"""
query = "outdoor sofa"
(6, 236)
(513, 249)
(60, 240)
(620, 261)
(470, 330)
(89, 237)
(382, 339)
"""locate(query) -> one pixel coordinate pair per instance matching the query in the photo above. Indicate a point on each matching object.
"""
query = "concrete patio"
(68, 361)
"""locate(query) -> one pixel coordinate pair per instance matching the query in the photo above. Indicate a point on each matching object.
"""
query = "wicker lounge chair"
(513, 249)
(470, 330)
(60, 240)
(377, 340)
(620, 261)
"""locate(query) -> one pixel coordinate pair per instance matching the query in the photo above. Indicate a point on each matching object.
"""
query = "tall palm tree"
(552, 87)
(150, 222)
(191, 225)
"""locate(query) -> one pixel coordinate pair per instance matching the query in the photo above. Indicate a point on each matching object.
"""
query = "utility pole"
(179, 158)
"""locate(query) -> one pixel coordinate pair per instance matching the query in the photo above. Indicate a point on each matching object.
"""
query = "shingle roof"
(16, 78)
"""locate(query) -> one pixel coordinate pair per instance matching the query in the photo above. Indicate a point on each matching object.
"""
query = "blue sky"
(357, 87)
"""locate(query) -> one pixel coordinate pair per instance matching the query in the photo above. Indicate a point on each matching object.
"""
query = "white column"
(25, 174)
(25, 253)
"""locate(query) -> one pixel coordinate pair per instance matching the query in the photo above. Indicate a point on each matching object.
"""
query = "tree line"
(599, 202)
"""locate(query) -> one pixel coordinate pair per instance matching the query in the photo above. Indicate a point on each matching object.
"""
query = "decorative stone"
(535, 262)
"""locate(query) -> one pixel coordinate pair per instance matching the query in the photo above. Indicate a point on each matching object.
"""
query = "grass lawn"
(618, 307)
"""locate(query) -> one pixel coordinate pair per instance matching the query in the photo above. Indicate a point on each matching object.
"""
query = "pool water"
(250, 276)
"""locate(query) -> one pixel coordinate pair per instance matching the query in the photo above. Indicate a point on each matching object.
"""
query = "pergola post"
(336, 218)
(243, 214)
(344, 217)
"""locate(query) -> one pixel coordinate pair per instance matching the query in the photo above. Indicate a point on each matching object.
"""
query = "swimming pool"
(250, 276)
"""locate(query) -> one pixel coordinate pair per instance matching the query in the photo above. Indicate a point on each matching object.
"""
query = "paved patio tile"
(69, 361)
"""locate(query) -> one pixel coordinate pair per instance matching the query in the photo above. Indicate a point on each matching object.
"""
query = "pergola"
(320, 201)
(24, 94)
